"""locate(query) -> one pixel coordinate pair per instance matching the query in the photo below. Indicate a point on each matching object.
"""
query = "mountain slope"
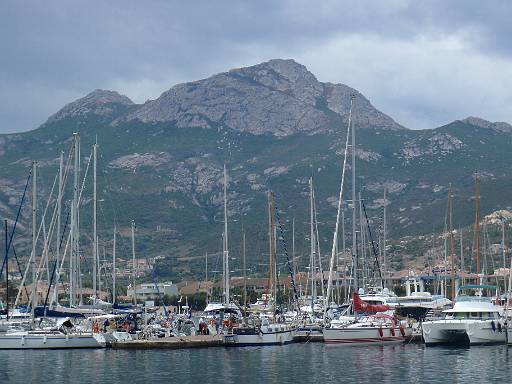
(273, 125)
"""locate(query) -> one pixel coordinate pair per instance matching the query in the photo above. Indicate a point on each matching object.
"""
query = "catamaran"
(474, 319)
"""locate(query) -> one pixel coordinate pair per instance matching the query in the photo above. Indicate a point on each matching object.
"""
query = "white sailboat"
(63, 336)
(226, 308)
(265, 330)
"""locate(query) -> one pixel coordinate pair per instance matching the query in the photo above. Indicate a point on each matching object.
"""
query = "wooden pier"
(198, 341)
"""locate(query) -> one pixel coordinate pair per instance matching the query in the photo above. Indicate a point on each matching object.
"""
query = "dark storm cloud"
(423, 62)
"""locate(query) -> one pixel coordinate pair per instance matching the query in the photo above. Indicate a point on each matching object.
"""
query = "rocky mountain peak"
(279, 97)
(99, 102)
(482, 123)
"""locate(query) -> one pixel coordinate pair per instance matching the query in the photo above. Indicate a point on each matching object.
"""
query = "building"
(148, 291)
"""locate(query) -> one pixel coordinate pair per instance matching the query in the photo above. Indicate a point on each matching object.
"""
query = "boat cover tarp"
(362, 306)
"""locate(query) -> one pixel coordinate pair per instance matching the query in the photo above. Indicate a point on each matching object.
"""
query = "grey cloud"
(56, 51)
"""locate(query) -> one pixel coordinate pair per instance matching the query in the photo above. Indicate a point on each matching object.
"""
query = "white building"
(148, 291)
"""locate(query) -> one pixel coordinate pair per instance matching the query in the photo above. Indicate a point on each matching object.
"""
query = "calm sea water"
(295, 363)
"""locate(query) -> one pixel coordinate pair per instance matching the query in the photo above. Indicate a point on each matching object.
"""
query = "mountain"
(273, 125)
(280, 97)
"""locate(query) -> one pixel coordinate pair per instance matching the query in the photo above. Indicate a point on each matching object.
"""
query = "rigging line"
(19, 268)
(285, 249)
(16, 221)
(375, 254)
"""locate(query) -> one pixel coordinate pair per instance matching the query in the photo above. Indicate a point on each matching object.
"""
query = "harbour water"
(294, 363)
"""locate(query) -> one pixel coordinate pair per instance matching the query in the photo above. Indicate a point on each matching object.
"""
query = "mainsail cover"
(362, 306)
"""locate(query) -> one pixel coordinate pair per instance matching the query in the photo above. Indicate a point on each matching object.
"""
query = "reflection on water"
(295, 363)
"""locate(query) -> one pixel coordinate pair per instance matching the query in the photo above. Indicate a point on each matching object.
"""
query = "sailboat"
(372, 326)
(226, 308)
(265, 330)
(61, 335)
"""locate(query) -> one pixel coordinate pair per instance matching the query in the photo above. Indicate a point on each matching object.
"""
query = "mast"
(477, 225)
(225, 243)
(462, 266)
(94, 229)
(206, 274)
(6, 271)
(114, 267)
(313, 242)
(339, 212)
(293, 248)
(503, 249)
(452, 240)
(59, 208)
(384, 238)
(354, 209)
(244, 266)
(133, 262)
(34, 223)
(272, 239)
(74, 258)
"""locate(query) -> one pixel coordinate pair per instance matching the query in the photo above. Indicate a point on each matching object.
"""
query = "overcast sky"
(425, 63)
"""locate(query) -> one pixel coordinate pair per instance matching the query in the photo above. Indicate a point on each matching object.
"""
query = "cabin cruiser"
(474, 319)
(261, 332)
(418, 304)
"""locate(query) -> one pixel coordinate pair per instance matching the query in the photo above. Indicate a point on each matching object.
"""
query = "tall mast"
(273, 264)
(384, 238)
(225, 238)
(94, 229)
(59, 208)
(6, 271)
(114, 267)
(74, 257)
(34, 223)
(462, 266)
(452, 240)
(339, 212)
(477, 224)
(270, 245)
(206, 274)
(293, 248)
(503, 249)
(313, 246)
(354, 208)
(134, 272)
(244, 266)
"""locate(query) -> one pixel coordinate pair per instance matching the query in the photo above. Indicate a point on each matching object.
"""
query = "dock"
(198, 341)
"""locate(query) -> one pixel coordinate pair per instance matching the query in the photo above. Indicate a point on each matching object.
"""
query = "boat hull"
(25, 340)
(366, 335)
(275, 335)
(462, 332)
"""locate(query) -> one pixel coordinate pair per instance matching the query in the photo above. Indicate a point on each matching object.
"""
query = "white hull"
(366, 335)
(271, 335)
(28, 340)
(462, 331)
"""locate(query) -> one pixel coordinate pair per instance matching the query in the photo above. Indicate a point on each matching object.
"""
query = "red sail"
(364, 307)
